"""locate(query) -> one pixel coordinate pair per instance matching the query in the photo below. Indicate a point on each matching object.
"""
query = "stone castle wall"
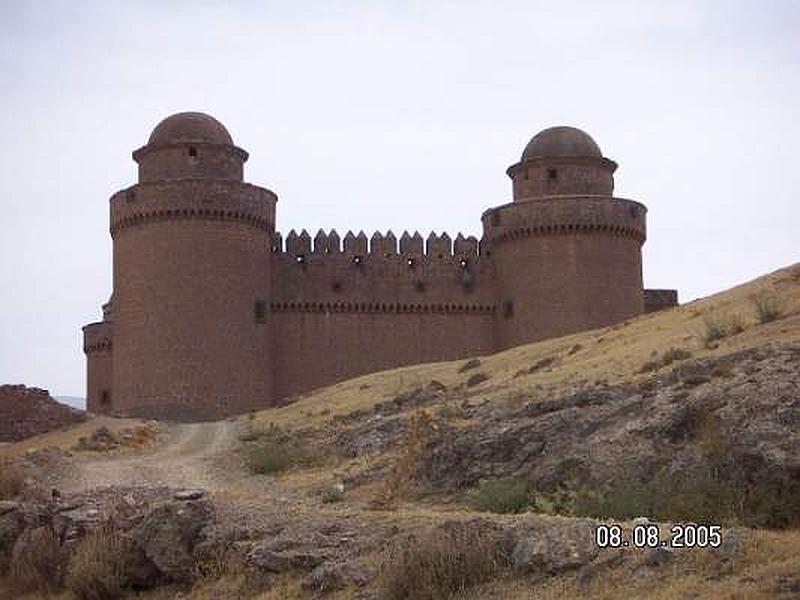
(213, 313)
(342, 310)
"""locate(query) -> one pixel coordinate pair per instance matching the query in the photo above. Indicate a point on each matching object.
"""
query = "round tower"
(567, 253)
(191, 244)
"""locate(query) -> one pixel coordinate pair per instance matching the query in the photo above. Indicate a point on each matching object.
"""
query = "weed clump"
(501, 496)
(12, 480)
(98, 569)
(442, 563)
(274, 451)
(37, 563)
(670, 356)
(402, 473)
(717, 328)
(767, 309)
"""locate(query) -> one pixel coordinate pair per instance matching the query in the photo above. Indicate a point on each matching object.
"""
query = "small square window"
(552, 174)
(192, 152)
(260, 311)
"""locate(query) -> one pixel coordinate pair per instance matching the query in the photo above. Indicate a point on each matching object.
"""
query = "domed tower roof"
(561, 161)
(190, 127)
(561, 141)
(190, 145)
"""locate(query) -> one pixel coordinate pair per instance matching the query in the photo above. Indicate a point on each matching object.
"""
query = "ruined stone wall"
(346, 309)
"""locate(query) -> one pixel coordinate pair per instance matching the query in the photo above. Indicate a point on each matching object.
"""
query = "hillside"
(471, 479)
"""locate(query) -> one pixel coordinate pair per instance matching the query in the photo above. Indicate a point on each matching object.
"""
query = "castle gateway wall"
(212, 313)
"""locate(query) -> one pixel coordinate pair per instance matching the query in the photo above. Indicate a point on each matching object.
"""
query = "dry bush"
(12, 480)
(38, 561)
(717, 328)
(275, 451)
(670, 356)
(97, 568)
(442, 563)
(767, 309)
(402, 473)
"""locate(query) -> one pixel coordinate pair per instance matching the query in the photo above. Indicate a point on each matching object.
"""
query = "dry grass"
(12, 480)
(611, 354)
(441, 564)
(98, 567)
(40, 566)
(68, 438)
(402, 473)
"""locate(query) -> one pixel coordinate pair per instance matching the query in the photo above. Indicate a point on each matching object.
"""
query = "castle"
(213, 313)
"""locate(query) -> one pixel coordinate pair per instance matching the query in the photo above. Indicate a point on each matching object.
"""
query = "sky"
(390, 115)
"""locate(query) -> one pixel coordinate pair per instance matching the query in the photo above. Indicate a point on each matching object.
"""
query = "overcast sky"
(401, 115)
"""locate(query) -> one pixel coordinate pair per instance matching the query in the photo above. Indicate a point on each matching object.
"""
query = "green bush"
(501, 496)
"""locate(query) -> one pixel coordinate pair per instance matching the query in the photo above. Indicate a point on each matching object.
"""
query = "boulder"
(554, 547)
(169, 534)
(332, 576)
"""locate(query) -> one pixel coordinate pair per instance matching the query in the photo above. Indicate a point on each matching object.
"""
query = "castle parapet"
(98, 337)
(192, 199)
(655, 300)
(566, 215)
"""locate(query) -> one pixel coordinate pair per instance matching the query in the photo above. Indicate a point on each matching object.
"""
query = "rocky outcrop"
(741, 410)
(27, 411)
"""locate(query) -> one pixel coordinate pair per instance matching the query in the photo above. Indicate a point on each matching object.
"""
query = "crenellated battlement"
(379, 244)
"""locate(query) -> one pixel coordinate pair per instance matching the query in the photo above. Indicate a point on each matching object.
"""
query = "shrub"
(12, 480)
(714, 330)
(670, 356)
(501, 496)
(268, 458)
(767, 309)
(717, 328)
(37, 563)
(442, 563)
(402, 473)
(97, 569)
(276, 451)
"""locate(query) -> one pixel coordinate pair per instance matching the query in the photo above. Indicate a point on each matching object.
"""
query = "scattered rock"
(553, 548)
(28, 411)
(185, 495)
(332, 576)
(658, 557)
(473, 363)
(476, 379)
(6, 506)
(100, 440)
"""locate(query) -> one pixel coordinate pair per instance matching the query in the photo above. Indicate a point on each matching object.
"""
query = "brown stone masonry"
(213, 313)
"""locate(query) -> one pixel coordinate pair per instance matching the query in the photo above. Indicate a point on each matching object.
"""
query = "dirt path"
(186, 457)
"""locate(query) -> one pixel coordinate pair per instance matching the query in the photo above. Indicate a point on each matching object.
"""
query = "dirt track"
(186, 456)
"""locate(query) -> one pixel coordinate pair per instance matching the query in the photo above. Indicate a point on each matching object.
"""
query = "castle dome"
(190, 127)
(561, 141)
